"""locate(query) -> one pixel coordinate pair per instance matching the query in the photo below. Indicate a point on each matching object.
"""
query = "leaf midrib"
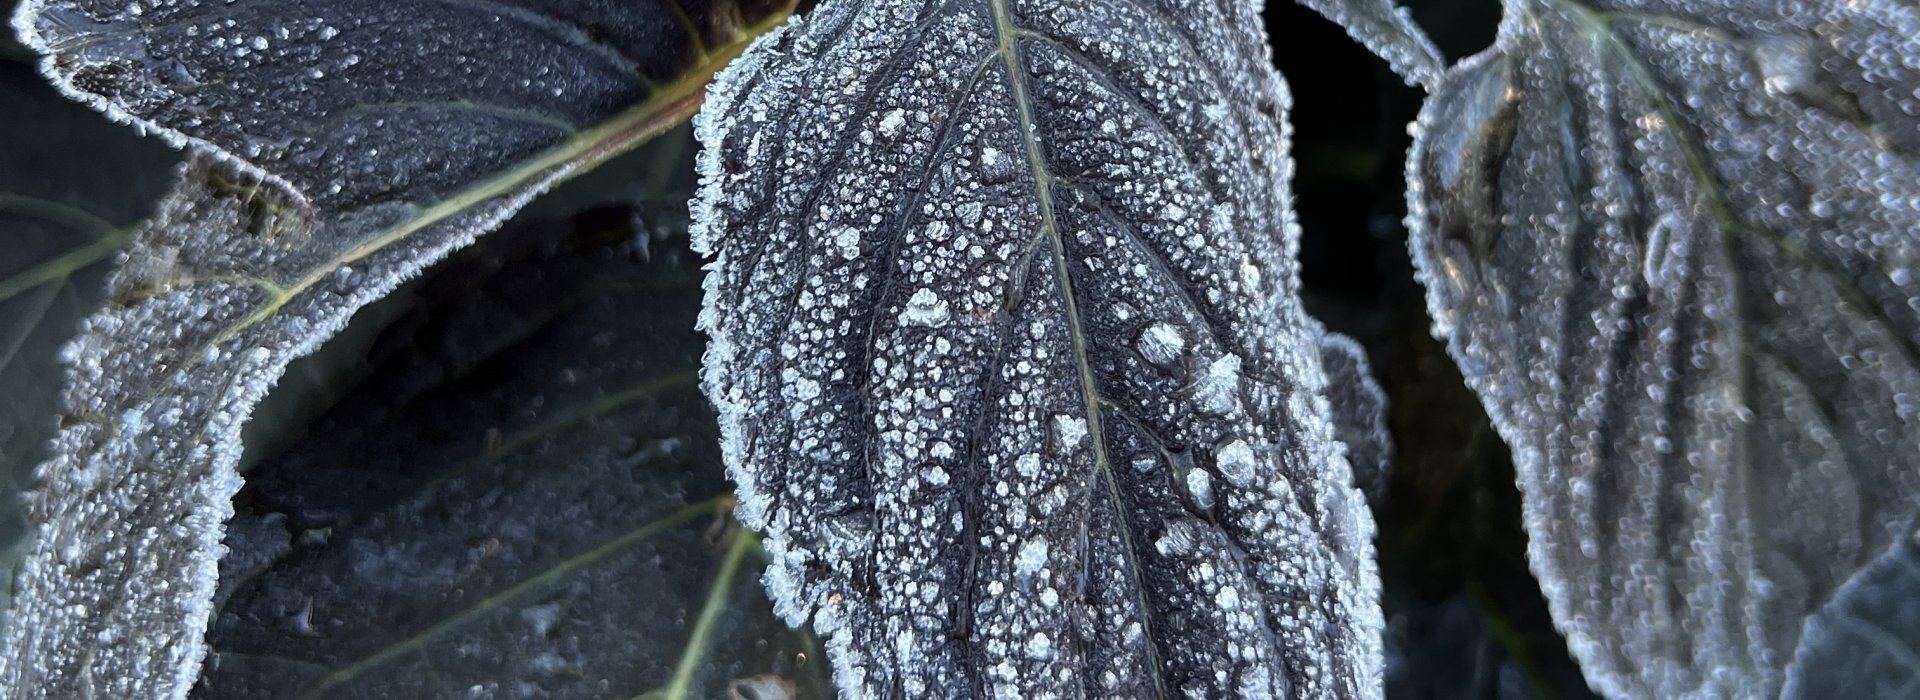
(1008, 35)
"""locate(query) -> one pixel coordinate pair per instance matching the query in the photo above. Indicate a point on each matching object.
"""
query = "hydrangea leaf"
(1673, 244)
(1009, 356)
(72, 189)
(438, 531)
(357, 143)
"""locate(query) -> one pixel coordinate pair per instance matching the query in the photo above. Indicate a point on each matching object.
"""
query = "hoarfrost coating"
(1009, 358)
(276, 234)
(1673, 244)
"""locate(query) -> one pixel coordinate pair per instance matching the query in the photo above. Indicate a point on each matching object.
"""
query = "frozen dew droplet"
(847, 241)
(1657, 267)
(1180, 537)
(848, 535)
(1161, 344)
(1228, 598)
(1216, 389)
(1235, 461)
(1032, 558)
(925, 308)
(1040, 647)
(996, 166)
(1070, 430)
(1028, 465)
(893, 122)
(1785, 65)
(1200, 487)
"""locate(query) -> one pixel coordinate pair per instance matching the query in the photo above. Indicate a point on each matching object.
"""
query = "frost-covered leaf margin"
(1387, 30)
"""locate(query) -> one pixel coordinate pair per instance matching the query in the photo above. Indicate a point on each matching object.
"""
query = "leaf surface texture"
(352, 144)
(523, 493)
(1673, 244)
(1866, 642)
(1387, 30)
(1010, 361)
(72, 189)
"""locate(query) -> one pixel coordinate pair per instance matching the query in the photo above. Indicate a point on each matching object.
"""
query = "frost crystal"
(1161, 344)
(1672, 243)
(1076, 254)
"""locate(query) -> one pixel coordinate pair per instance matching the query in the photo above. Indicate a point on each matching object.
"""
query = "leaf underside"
(358, 142)
(1009, 358)
(440, 530)
(1674, 246)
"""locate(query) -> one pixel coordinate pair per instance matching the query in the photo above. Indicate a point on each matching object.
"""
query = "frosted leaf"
(365, 143)
(1359, 414)
(1672, 244)
(581, 549)
(74, 189)
(1389, 32)
(1036, 363)
(1865, 642)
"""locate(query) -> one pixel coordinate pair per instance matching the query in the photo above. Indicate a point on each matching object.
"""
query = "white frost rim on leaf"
(23, 27)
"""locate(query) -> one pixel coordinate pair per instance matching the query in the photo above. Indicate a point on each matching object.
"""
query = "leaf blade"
(1863, 643)
(64, 222)
(928, 384)
(437, 531)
